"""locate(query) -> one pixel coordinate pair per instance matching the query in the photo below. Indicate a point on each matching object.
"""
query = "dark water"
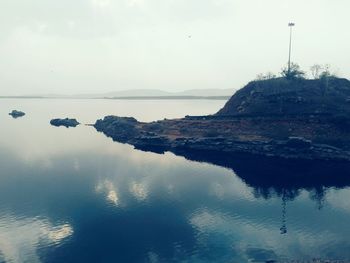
(73, 195)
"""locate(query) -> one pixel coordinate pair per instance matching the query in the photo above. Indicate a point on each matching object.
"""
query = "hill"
(281, 96)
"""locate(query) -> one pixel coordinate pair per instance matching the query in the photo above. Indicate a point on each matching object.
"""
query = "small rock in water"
(16, 114)
(64, 122)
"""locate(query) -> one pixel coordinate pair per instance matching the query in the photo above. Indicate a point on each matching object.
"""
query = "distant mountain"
(125, 93)
(206, 92)
(139, 93)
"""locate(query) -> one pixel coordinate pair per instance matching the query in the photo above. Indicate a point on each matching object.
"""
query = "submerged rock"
(64, 122)
(16, 114)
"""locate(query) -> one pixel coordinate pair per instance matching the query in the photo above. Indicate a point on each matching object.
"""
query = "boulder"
(17, 114)
(64, 122)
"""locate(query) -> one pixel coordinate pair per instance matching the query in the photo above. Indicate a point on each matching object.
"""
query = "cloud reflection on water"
(119, 200)
(20, 238)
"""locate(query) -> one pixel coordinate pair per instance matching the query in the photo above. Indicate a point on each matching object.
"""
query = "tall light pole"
(291, 24)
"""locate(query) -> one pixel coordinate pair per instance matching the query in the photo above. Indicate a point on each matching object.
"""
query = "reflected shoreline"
(273, 175)
(277, 177)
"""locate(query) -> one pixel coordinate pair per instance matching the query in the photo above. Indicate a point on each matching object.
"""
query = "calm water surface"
(74, 195)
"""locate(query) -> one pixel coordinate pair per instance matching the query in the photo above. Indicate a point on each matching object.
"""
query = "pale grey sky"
(95, 46)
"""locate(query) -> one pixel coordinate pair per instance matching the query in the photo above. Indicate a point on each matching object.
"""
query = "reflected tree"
(319, 196)
(283, 228)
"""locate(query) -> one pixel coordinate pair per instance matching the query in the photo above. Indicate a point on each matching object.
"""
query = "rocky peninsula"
(284, 118)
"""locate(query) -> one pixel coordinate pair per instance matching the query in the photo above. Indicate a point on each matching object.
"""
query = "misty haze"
(174, 131)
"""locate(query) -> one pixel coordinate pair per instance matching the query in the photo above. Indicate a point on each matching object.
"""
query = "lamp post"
(291, 24)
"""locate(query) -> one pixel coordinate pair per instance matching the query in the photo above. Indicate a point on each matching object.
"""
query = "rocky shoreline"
(174, 136)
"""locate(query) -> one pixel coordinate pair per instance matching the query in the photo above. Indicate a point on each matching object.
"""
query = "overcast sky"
(84, 46)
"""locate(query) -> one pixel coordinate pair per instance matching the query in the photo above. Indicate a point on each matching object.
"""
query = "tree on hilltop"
(292, 72)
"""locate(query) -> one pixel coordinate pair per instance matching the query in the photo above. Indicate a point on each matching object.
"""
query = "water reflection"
(275, 176)
(21, 238)
(107, 188)
(284, 179)
(164, 208)
(76, 196)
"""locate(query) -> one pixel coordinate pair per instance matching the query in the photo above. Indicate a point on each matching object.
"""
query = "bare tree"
(326, 72)
(324, 77)
(316, 71)
(265, 76)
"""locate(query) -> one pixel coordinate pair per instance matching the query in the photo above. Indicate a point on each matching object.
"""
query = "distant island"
(287, 117)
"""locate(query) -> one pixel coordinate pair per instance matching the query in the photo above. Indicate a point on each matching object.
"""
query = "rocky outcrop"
(176, 136)
(122, 129)
(64, 122)
(16, 114)
(279, 118)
